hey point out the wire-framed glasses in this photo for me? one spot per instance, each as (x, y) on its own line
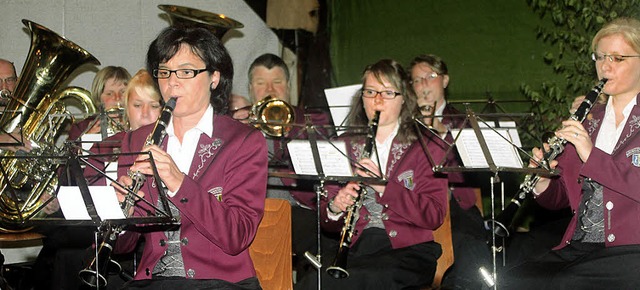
(611, 57)
(428, 77)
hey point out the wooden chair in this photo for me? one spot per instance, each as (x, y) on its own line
(271, 249)
(479, 202)
(443, 237)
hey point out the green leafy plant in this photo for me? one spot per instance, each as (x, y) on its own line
(569, 26)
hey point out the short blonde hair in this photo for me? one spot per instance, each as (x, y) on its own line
(628, 28)
(143, 84)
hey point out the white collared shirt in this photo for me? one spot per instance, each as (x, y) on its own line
(609, 134)
(440, 111)
(384, 148)
(182, 154)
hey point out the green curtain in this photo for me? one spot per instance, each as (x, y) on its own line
(490, 47)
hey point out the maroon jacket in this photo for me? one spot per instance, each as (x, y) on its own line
(618, 173)
(414, 201)
(221, 202)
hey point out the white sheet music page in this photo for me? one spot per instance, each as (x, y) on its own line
(501, 144)
(339, 100)
(104, 200)
(334, 163)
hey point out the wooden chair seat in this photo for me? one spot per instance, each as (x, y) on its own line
(271, 249)
(443, 237)
(18, 237)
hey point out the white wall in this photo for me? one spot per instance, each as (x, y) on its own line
(118, 32)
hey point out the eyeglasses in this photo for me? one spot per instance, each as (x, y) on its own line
(387, 95)
(428, 77)
(611, 57)
(180, 73)
(9, 80)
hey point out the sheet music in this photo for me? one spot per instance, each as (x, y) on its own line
(104, 198)
(503, 152)
(89, 139)
(334, 163)
(339, 101)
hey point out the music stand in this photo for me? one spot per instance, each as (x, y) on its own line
(72, 162)
(474, 121)
(320, 178)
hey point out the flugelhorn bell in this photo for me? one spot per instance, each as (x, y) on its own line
(218, 24)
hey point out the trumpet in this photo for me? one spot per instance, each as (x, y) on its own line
(428, 111)
(5, 96)
(338, 268)
(272, 116)
(501, 225)
(95, 274)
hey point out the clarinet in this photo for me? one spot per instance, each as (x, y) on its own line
(95, 275)
(502, 223)
(338, 268)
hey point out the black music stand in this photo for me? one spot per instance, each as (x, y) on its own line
(72, 162)
(320, 179)
(474, 120)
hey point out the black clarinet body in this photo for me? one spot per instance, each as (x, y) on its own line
(338, 268)
(502, 224)
(95, 275)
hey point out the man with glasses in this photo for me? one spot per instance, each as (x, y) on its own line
(8, 78)
(269, 76)
(430, 79)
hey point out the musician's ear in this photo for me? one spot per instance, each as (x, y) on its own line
(445, 81)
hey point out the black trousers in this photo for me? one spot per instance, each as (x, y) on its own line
(373, 264)
(578, 266)
(470, 248)
(179, 283)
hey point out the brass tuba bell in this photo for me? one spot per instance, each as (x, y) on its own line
(272, 116)
(38, 108)
(218, 24)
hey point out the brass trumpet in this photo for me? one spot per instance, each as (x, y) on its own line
(428, 111)
(272, 116)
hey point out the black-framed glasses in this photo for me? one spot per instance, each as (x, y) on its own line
(161, 73)
(611, 57)
(9, 80)
(428, 77)
(387, 95)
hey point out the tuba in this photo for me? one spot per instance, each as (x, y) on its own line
(38, 108)
(218, 24)
(272, 116)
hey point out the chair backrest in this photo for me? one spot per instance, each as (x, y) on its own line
(443, 237)
(271, 249)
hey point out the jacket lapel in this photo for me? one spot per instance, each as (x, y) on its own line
(206, 151)
(630, 128)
